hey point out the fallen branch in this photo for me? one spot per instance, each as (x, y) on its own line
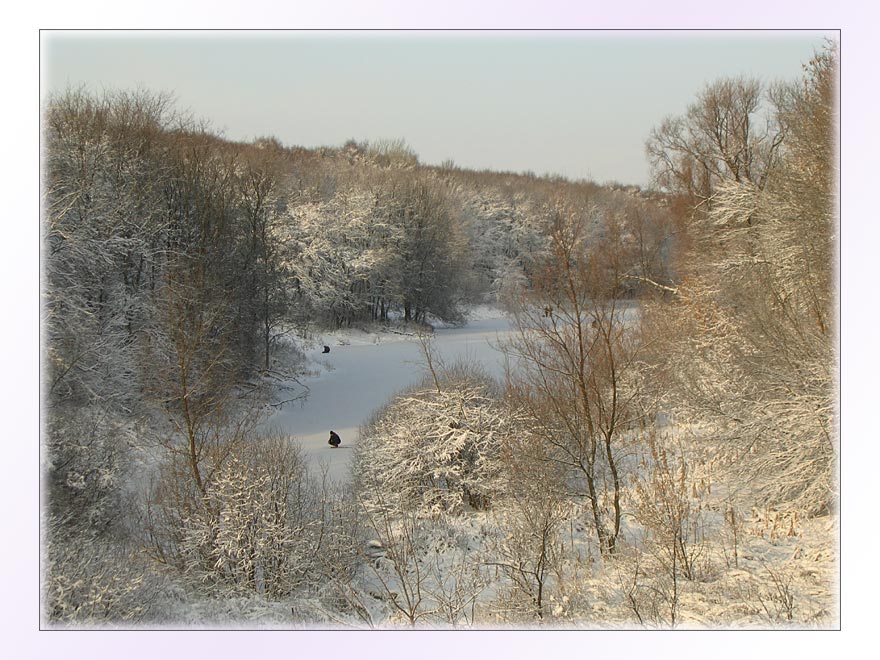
(646, 280)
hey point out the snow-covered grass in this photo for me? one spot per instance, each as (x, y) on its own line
(792, 576)
(527, 561)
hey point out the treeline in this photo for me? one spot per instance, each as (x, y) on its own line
(375, 235)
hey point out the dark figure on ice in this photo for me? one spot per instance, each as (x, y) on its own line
(326, 349)
(334, 440)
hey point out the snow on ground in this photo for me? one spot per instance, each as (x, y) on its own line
(364, 369)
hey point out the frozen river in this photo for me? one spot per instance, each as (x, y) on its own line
(363, 371)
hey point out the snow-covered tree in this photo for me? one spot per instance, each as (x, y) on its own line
(256, 527)
(343, 258)
(750, 340)
(105, 229)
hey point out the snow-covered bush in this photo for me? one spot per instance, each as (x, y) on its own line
(417, 570)
(670, 545)
(528, 516)
(429, 456)
(89, 580)
(435, 451)
(527, 551)
(91, 574)
(256, 528)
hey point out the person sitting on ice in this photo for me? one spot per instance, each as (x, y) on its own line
(334, 440)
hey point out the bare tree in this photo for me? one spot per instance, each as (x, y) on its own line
(399, 571)
(456, 587)
(574, 355)
(723, 136)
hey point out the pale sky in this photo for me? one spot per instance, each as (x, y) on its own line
(580, 104)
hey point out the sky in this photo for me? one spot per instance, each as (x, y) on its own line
(576, 103)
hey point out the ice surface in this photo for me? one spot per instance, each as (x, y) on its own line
(363, 371)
